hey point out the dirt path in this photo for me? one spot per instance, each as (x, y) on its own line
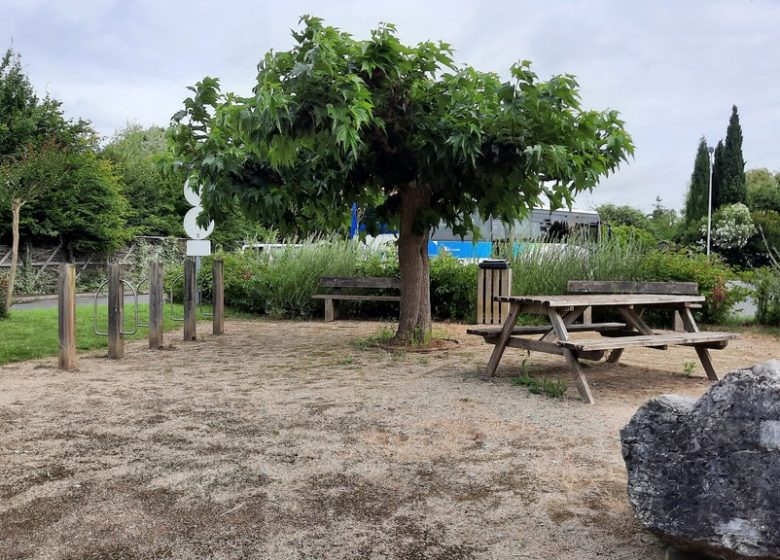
(288, 440)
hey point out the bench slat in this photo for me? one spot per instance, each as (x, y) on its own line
(360, 282)
(620, 287)
(541, 329)
(356, 297)
(715, 339)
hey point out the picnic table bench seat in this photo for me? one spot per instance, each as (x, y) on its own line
(336, 283)
(717, 340)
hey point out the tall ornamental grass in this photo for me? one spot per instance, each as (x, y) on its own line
(543, 268)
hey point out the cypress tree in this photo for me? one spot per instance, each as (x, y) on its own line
(733, 189)
(717, 176)
(698, 193)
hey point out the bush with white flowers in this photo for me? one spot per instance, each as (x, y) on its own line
(732, 227)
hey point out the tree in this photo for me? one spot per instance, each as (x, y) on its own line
(622, 216)
(663, 222)
(157, 200)
(732, 229)
(718, 173)
(24, 178)
(732, 188)
(336, 120)
(697, 201)
(763, 190)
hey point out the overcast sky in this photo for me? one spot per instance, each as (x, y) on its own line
(673, 69)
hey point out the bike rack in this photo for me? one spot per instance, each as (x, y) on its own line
(173, 285)
(135, 303)
(138, 291)
(202, 313)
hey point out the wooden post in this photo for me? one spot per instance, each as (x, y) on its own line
(66, 302)
(218, 297)
(190, 301)
(116, 304)
(156, 305)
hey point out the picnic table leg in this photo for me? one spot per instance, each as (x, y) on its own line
(614, 356)
(704, 355)
(559, 325)
(568, 319)
(506, 333)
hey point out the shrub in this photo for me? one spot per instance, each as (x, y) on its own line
(453, 289)
(711, 274)
(767, 296)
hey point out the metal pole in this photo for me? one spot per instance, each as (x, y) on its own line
(709, 205)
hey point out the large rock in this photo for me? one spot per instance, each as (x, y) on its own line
(705, 474)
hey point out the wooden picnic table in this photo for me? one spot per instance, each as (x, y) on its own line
(564, 310)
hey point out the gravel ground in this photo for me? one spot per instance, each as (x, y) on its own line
(297, 440)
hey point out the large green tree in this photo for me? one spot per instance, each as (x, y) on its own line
(25, 177)
(622, 215)
(157, 204)
(732, 183)
(336, 120)
(49, 168)
(763, 190)
(697, 201)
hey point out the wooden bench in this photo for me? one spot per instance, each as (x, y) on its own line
(336, 284)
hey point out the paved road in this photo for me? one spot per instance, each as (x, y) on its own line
(81, 299)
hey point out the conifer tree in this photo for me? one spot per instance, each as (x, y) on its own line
(698, 193)
(717, 176)
(733, 189)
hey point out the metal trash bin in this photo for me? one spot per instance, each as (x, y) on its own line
(494, 278)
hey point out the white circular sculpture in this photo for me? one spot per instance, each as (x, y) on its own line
(194, 231)
(192, 196)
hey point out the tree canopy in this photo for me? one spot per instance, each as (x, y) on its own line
(401, 129)
(728, 184)
(49, 166)
(697, 201)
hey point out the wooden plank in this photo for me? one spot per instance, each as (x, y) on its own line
(620, 287)
(116, 300)
(156, 294)
(679, 339)
(481, 296)
(190, 299)
(84, 267)
(66, 317)
(604, 300)
(360, 282)
(541, 329)
(528, 344)
(503, 339)
(546, 347)
(356, 297)
(218, 275)
(48, 261)
(568, 319)
(495, 276)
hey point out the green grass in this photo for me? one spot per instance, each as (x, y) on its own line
(30, 334)
(549, 387)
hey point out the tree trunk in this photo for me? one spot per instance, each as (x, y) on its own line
(16, 207)
(415, 321)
